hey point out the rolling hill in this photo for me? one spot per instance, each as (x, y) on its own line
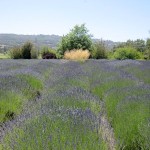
(8, 41)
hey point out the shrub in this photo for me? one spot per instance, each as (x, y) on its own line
(48, 51)
(99, 50)
(15, 53)
(126, 53)
(26, 50)
(34, 54)
(44, 51)
(110, 55)
(78, 54)
(147, 54)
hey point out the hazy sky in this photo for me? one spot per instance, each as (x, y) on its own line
(116, 20)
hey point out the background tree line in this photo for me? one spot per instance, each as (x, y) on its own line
(79, 38)
(138, 49)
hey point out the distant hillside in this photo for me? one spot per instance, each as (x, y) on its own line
(8, 41)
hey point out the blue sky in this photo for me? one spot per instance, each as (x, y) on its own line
(116, 20)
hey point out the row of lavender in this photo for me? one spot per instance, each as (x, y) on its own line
(65, 117)
(74, 97)
(21, 82)
(125, 90)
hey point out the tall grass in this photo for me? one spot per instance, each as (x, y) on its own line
(12, 101)
(10, 105)
(78, 54)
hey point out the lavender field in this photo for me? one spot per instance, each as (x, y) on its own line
(69, 105)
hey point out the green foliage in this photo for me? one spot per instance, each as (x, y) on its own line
(148, 44)
(126, 53)
(10, 103)
(99, 50)
(110, 55)
(128, 43)
(77, 38)
(26, 50)
(4, 55)
(15, 53)
(34, 84)
(34, 54)
(32, 81)
(147, 52)
(46, 50)
(139, 44)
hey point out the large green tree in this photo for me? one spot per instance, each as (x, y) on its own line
(77, 38)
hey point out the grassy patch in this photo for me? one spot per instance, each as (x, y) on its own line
(32, 81)
(11, 102)
(10, 105)
(34, 86)
(104, 87)
(128, 115)
(3, 56)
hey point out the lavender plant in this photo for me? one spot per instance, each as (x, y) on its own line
(69, 101)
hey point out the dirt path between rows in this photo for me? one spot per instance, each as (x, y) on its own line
(107, 132)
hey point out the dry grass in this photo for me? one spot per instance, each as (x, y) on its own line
(77, 54)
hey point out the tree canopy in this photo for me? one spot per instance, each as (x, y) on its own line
(77, 38)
